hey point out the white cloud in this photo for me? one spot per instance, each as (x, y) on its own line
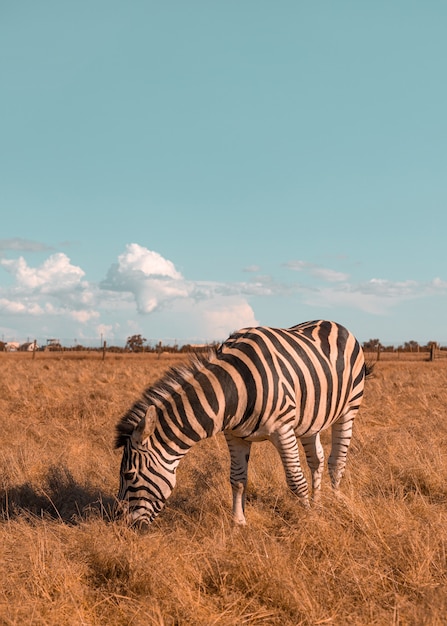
(198, 321)
(439, 284)
(328, 275)
(105, 330)
(226, 317)
(55, 274)
(54, 288)
(56, 295)
(155, 282)
(84, 316)
(18, 307)
(10, 306)
(152, 279)
(351, 298)
(391, 289)
(208, 309)
(376, 296)
(138, 259)
(23, 245)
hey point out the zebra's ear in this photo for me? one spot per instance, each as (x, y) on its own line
(146, 426)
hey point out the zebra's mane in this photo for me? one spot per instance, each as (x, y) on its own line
(171, 381)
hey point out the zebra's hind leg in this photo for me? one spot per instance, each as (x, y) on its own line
(341, 438)
(285, 442)
(239, 456)
(315, 460)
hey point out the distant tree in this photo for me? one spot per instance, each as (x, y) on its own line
(115, 349)
(387, 348)
(2, 346)
(411, 346)
(371, 345)
(135, 343)
(54, 346)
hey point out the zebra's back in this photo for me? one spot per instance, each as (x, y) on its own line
(307, 376)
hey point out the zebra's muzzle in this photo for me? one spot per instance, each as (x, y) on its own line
(134, 518)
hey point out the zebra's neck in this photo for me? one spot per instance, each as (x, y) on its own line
(199, 401)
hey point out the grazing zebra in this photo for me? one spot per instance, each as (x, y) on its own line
(261, 383)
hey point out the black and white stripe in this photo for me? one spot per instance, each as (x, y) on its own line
(262, 383)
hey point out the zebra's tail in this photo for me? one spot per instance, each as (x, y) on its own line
(369, 369)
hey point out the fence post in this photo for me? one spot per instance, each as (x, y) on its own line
(432, 352)
(34, 348)
(104, 346)
(378, 351)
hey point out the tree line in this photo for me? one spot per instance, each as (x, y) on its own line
(373, 345)
(138, 343)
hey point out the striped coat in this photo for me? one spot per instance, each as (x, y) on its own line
(260, 384)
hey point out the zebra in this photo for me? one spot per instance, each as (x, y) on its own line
(262, 383)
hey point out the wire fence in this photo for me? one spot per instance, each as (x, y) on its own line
(160, 350)
(94, 343)
(431, 354)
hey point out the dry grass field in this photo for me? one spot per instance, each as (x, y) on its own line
(374, 556)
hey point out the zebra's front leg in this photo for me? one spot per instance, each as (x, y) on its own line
(285, 442)
(239, 456)
(341, 438)
(315, 460)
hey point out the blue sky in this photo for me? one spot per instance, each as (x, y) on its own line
(183, 169)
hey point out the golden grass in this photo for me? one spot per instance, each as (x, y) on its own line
(374, 556)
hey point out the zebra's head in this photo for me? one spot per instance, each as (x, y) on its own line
(145, 482)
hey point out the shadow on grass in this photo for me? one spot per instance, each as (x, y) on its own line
(61, 498)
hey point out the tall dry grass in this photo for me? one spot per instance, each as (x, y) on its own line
(374, 556)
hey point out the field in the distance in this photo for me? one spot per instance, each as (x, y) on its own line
(375, 556)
